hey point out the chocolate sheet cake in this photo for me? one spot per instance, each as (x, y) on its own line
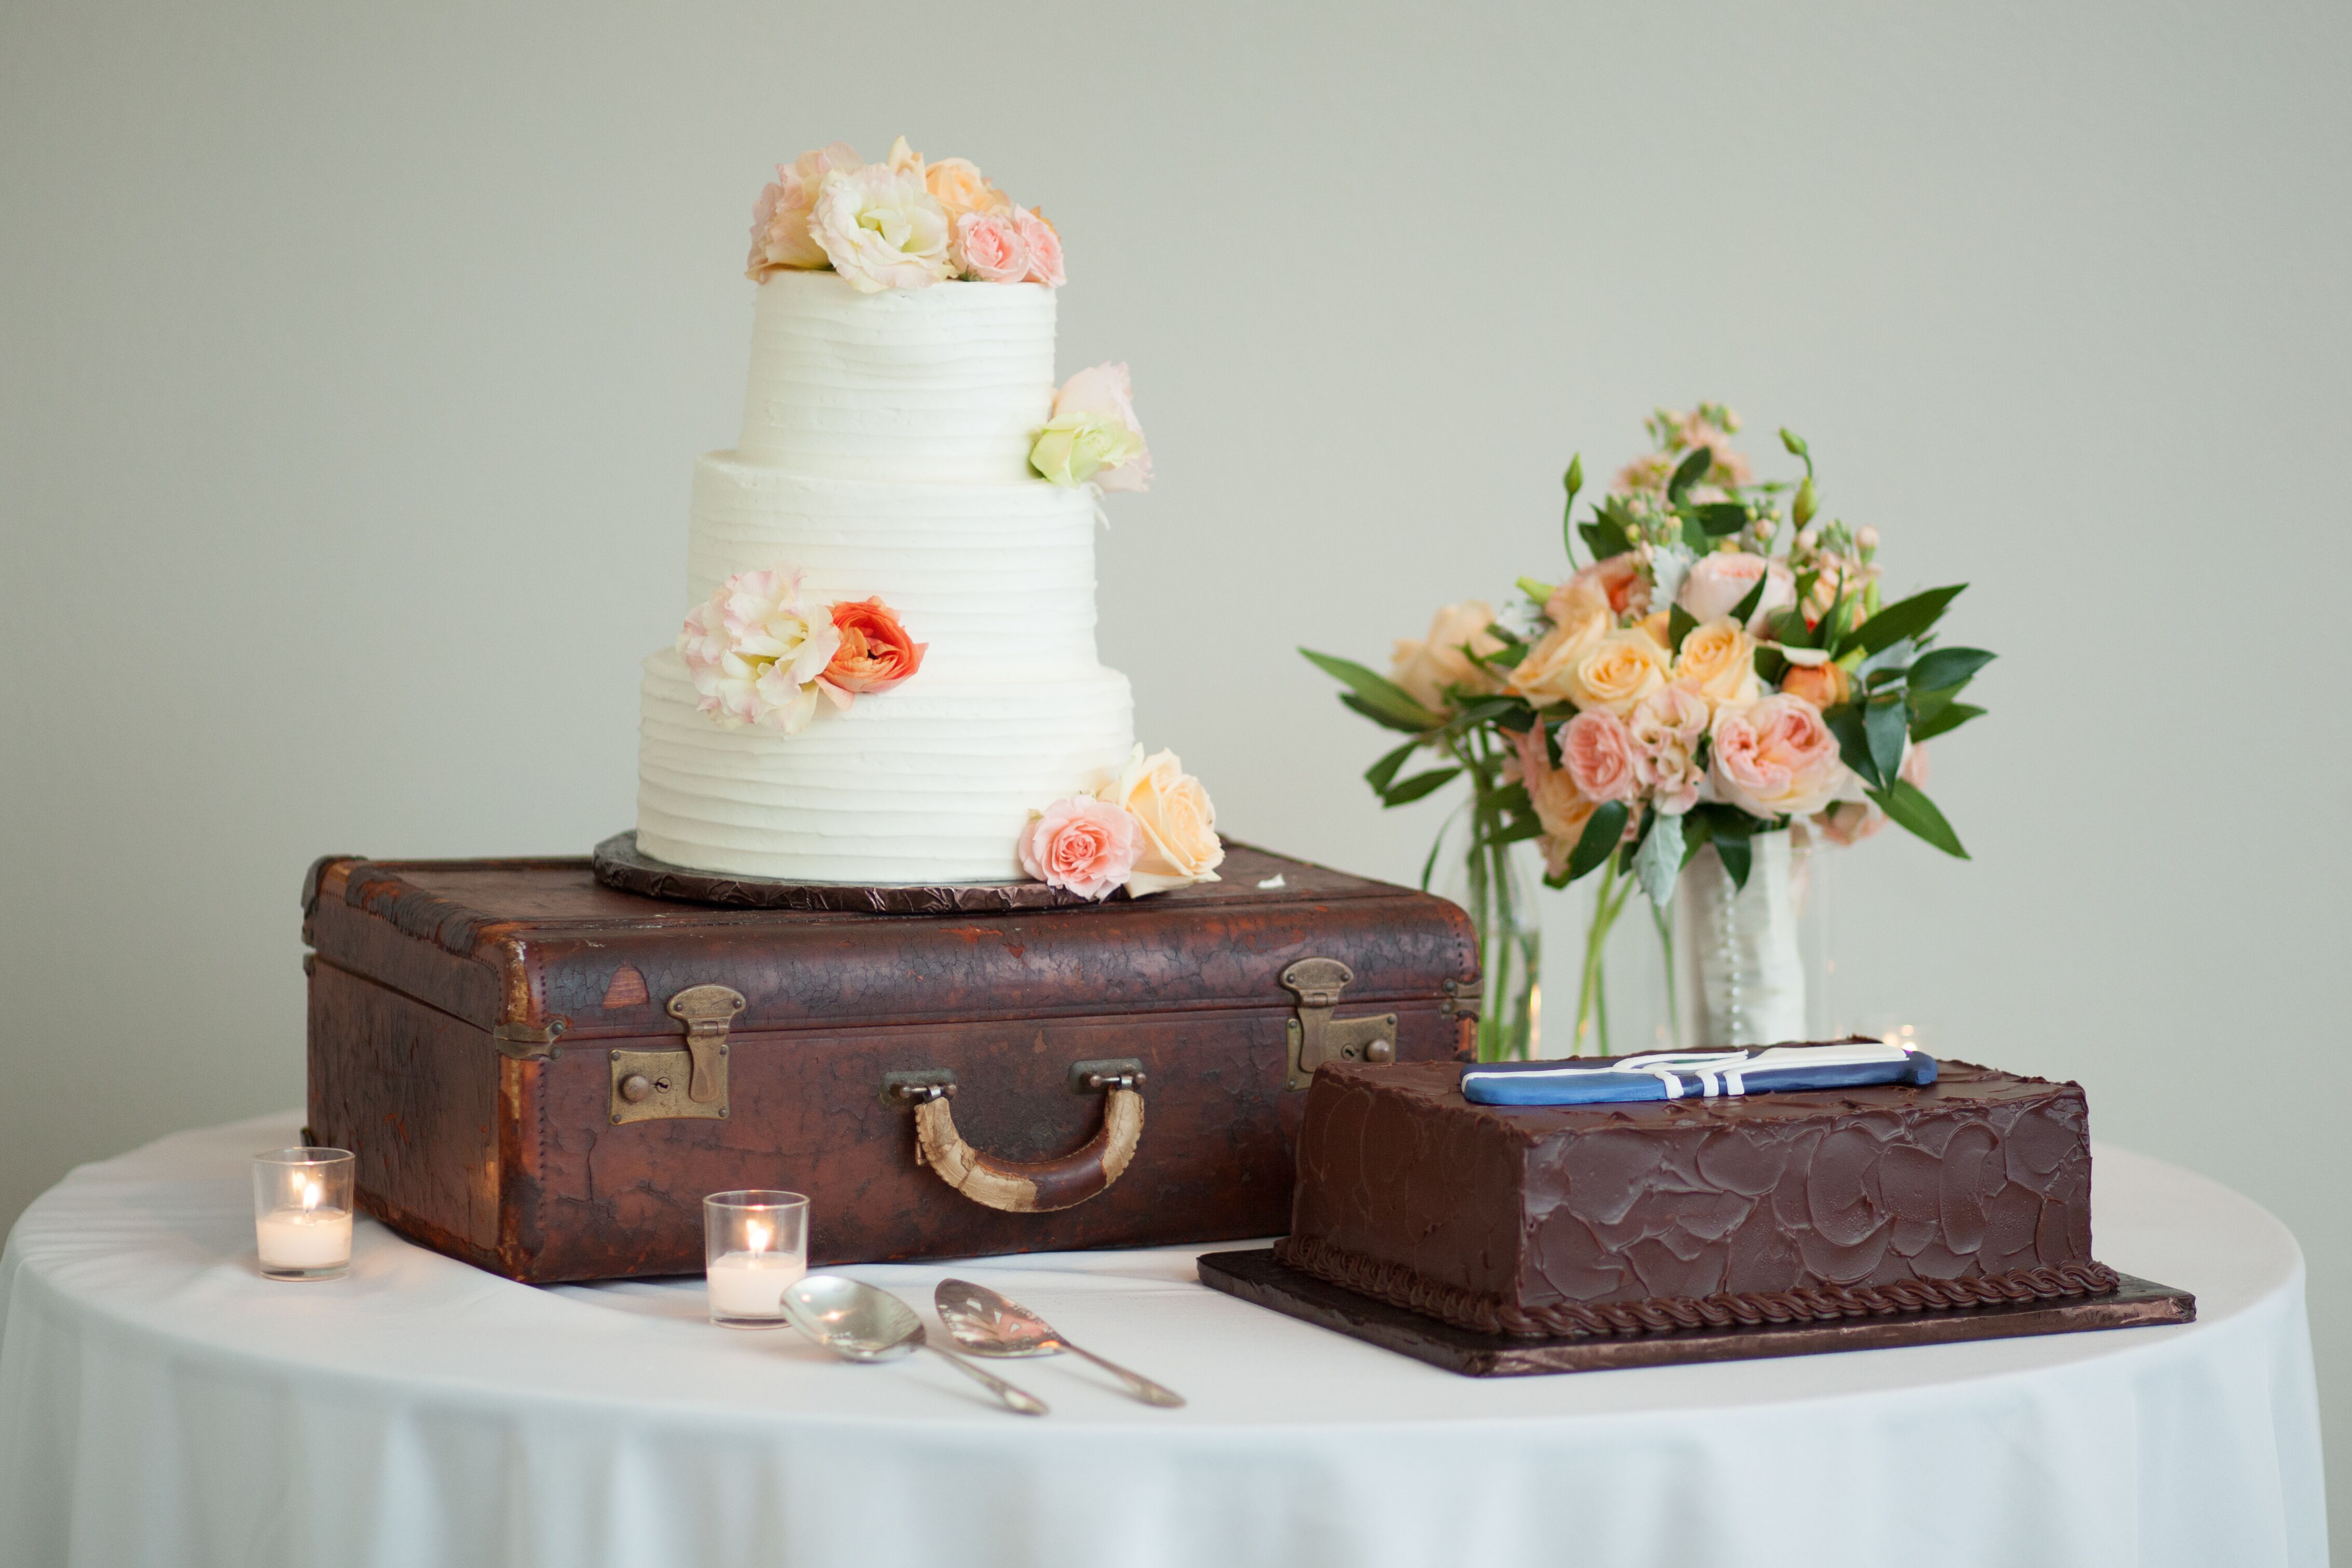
(1548, 1220)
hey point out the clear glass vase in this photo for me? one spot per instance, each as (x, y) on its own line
(1738, 954)
(1498, 885)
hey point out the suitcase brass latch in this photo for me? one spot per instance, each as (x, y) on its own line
(651, 1085)
(1316, 1037)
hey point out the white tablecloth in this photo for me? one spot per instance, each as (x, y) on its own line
(161, 1403)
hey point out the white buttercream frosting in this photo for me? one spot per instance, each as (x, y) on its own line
(886, 452)
(930, 783)
(997, 579)
(949, 382)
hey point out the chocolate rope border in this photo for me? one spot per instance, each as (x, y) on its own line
(1401, 1287)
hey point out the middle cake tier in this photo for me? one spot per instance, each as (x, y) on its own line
(996, 578)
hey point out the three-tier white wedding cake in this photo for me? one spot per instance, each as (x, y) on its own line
(890, 462)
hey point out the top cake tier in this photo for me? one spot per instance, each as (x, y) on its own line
(945, 384)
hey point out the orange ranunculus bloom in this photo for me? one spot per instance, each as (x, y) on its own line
(875, 652)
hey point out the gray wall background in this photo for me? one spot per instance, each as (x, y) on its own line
(352, 359)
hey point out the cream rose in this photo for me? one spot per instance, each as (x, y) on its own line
(1823, 685)
(959, 187)
(1425, 668)
(1775, 758)
(1581, 618)
(1180, 844)
(1717, 583)
(1718, 662)
(1621, 669)
(882, 230)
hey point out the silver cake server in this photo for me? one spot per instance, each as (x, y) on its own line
(858, 1322)
(985, 1323)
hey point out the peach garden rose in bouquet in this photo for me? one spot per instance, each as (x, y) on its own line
(1724, 665)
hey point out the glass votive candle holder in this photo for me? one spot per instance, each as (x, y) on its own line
(302, 1213)
(754, 1245)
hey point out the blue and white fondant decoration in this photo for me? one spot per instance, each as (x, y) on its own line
(1698, 1075)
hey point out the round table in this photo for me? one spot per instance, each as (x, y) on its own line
(161, 1403)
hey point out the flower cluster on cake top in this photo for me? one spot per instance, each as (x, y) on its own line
(904, 223)
(760, 651)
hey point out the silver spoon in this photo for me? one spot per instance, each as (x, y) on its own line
(985, 1323)
(857, 1322)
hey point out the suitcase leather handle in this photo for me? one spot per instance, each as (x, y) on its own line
(1019, 1187)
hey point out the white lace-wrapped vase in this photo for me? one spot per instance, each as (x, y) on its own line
(1739, 975)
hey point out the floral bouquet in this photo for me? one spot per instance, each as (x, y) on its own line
(1720, 686)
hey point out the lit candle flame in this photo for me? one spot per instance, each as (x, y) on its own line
(311, 1193)
(759, 1235)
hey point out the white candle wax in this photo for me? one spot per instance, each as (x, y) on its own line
(751, 1284)
(304, 1239)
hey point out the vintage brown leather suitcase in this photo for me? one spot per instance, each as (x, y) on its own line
(544, 1076)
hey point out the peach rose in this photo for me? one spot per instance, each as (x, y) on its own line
(1621, 669)
(959, 186)
(1823, 685)
(1561, 807)
(1620, 579)
(1848, 822)
(1718, 662)
(990, 248)
(1083, 844)
(780, 222)
(1045, 243)
(1776, 758)
(1425, 668)
(875, 653)
(1581, 618)
(1717, 583)
(1664, 728)
(1179, 826)
(1599, 754)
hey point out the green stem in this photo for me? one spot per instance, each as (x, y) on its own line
(1664, 917)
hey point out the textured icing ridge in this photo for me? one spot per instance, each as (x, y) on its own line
(1982, 1173)
(931, 782)
(1401, 1287)
(996, 578)
(944, 384)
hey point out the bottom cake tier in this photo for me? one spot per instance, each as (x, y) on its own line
(929, 783)
(1802, 1205)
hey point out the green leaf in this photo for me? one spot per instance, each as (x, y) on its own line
(1736, 858)
(1905, 618)
(1688, 472)
(1771, 663)
(1892, 659)
(1832, 633)
(1487, 713)
(1377, 690)
(1947, 669)
(1419, 784)
(1789, 629)
(1749, 600)
(1883, 722)
(1382, 720)
(1379, 775)
(1948, 718)
(1908, 806)
(1680, 624)
(1598, 840)
(1517, 829)
(1845, 721)
(1659, 857)
(1719, 518)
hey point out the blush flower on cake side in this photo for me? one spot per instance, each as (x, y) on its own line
(761, 651)
(1092, 436)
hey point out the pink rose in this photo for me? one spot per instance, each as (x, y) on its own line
(780, 222)
(989, 246)
(1561, 807)
(1776, 758)
(1719, 582)
(1083, 844)
(1045, 247)
(1599, 752)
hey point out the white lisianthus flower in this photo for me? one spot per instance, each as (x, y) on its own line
(757, 652)
(881, 229)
